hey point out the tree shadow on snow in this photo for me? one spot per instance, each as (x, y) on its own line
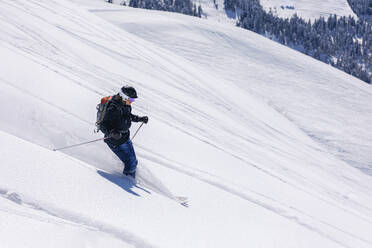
(230, 14)
(123, 182)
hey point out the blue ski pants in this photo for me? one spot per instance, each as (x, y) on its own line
(126, 154)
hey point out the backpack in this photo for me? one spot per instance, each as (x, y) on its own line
(101, 111)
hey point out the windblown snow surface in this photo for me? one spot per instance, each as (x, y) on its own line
(242, 126)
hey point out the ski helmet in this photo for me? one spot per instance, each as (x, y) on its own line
(129, 91)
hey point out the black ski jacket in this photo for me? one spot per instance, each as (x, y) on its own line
(118, 117)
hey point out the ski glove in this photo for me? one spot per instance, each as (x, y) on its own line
(115, 134)
(145, 119)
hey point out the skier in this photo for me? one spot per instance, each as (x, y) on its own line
(116, 123)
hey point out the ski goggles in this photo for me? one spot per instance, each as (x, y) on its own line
(126, 98)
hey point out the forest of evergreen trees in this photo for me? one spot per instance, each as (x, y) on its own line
(362, 8)
(343, 42)
(186, 7)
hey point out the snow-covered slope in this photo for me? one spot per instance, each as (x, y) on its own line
(331, 107)
(308, 9)
(253, 177)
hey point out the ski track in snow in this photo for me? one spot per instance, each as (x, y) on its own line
(44, 101)
(69, 64)
(76, 218)
(289, 212)
(237, 156)
(145, 180)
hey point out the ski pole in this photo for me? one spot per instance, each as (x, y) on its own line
(84, 143)
(134, 135)
(80, 144)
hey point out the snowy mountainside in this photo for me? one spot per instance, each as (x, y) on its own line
(252, 176)
(335, 110)
(308, 9)
(214, 9)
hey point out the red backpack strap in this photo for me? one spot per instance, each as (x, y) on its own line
(106, 99)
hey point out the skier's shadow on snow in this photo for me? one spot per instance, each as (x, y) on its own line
(122, 182)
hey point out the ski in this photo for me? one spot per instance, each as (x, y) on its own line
(184, 201)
